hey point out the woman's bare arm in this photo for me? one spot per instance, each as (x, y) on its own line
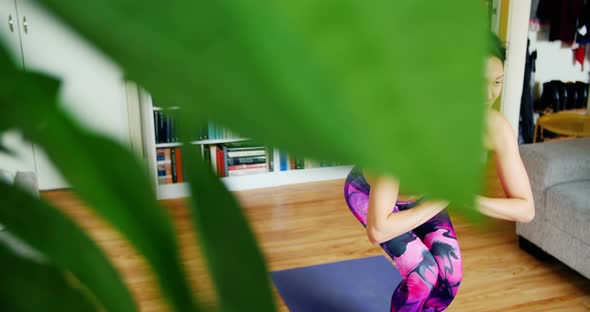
(382, 224)
(519, 205)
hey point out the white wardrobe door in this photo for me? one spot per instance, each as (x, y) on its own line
(23, 159)
(92, 90)
(9, 30)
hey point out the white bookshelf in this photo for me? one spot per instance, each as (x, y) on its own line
(202, 142)
(274, 178)
(219, 141)
(155, 108)
(161, 145)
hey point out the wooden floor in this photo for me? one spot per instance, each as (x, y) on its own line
(310, 224)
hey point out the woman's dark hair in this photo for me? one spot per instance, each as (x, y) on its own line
(496, 48)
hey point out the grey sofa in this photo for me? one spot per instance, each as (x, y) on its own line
(560, 179)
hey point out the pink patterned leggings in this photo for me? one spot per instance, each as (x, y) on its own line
(428, 257)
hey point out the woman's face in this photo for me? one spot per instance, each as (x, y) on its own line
(494, 79)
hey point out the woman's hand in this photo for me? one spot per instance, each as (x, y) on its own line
(511, 209)
(479, 203)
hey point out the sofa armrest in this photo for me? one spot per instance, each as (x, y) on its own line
(557, 162)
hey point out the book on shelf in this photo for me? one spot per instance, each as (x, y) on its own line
(169, 165)
(270, 159)
(309, 163)
(284, 161)
(213, 132)
(221, 167)
(250, 153)
(245, 160)
(224, 155)
(161, 127)
(164, 165)
(178, 165)
(157, 126)
(288, 162)
(231, 159)
(213, 157)
(173, 163)
(249, 166)
(299, 163)
(210, 133)
(168, 129)
(164, 127)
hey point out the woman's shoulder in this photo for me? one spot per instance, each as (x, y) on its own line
(501, 130)
(499, 122)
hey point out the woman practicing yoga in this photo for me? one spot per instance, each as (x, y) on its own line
(417, 233)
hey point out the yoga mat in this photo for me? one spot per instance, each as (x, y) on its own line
(364, 284)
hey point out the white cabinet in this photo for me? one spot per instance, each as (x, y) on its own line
(9, 34)
(92, 85)
(92, 90)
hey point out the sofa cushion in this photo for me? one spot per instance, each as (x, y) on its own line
(573, 252)
(553, 163)
(568, 208)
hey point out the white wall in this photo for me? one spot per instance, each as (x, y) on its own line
(555, 61)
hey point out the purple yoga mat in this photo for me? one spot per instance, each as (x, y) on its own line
(355, 285)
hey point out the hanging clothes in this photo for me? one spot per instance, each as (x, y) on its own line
(580, 54)
(534, 23)
(562, 16)
(583, 28)
(526, 122)
(582, 34)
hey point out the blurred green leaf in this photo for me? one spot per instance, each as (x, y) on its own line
(53, 234)
(377, 83)
(5, 150)
(104, 174)
(234, 258)
(30, 286)
(392, 86)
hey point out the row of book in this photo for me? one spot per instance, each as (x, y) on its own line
(214, 132)
(230, 160)
(165, 130)
(287, 162)
(169, 163)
